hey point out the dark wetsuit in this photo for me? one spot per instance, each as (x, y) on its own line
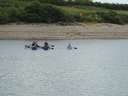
(34, 46)
(46, 46)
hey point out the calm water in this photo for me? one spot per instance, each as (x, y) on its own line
(97, 68)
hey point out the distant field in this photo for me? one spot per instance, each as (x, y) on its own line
(87, 9)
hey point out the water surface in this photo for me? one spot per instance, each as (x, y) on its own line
(96, 68)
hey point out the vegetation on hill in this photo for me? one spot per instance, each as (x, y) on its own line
(54, 11)
(96, 4)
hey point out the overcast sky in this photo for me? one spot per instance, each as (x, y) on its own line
(113, 1)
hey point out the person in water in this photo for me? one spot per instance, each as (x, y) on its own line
(34, 45)
(46, 46)
(69, 46)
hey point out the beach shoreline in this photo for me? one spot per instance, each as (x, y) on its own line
(63, 32)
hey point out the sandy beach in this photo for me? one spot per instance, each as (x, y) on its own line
(53, 31)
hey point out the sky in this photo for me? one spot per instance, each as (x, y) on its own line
(113, 1)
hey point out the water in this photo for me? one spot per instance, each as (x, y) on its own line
(96, 68)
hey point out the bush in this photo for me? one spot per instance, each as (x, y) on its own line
(13, 14)
(3, 16)
(111, 17)
(91, 17)
(123, 18)
(36, 12)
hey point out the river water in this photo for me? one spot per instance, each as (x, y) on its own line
(96, 68)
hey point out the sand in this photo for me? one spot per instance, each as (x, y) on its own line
(53, 31)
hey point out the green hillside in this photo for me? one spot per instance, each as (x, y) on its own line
(54, 11)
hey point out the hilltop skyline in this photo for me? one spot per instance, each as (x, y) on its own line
(113, 1)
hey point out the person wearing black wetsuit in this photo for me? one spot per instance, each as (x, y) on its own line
(46, 46)
(34, 45)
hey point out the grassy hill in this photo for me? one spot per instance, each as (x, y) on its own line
(89, 9)
(54, 11)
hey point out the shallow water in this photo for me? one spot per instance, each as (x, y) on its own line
(96, 68)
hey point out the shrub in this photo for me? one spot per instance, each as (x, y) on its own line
(37, 12)
(123, 18)
(13, 14)
(91, 17)
(111, 17)
(3, 17)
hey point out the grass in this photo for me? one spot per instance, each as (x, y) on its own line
(87, 9)
(95, 14)
(34, 12)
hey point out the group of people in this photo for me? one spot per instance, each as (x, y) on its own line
(46, 46)
(35, 46)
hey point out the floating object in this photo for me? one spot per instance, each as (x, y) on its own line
(52, 48)
(52, 45)
(69, 47)
(75, 48)
(27, 46)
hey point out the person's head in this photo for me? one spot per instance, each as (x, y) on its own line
(46, 43)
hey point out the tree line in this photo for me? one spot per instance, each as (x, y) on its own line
(5, 3)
